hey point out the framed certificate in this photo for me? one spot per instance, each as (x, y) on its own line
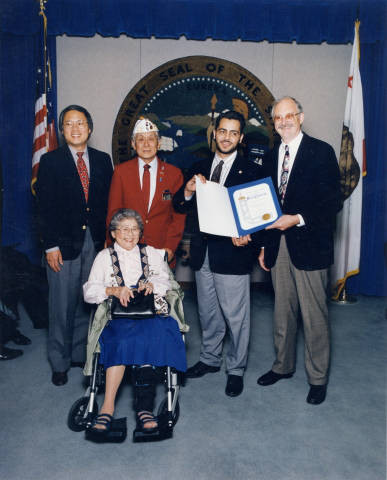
(254, 205)
(238, 210)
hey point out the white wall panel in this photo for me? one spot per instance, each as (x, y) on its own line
(99, 72)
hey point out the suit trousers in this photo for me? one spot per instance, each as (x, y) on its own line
(224, 303)
(68, 313)
(305, 291)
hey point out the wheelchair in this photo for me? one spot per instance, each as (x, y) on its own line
(84, 410)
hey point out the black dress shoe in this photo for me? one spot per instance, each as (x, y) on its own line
(77, 364)
(20, 339)
(200, 369)
(59, 378)
(271, 377)
(317, 394)
(9, 353)
(234, 385)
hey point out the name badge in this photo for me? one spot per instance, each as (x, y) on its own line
(167, 195)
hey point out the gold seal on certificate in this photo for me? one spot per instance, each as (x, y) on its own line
(254, 204)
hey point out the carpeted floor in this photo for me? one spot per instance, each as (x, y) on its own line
(267, 433)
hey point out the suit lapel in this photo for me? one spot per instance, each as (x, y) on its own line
(273, 167)
(236, 173)
(297, 168)
(93, 170)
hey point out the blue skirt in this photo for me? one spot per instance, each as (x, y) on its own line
(155, 341)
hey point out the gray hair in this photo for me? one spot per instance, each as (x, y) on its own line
(123, 214)
(286, 97)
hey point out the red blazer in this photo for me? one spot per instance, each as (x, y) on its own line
(163, 227)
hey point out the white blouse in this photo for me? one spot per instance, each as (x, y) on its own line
(101, 274)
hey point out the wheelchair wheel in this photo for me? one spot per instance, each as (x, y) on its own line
(163, 410)
(76, 419)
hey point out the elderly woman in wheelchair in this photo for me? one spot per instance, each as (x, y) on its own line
(123, 272)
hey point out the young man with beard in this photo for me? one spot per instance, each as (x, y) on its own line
(222, 264)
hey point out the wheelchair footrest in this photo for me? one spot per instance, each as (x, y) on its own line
(164, 431)
(116, 434)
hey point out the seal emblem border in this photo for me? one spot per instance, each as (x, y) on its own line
(140, 96)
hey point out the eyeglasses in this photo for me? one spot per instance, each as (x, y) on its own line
(289, 117)
(233, 133)
(75, 123)
(127, 230)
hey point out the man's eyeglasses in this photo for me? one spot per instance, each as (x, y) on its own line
(75, 123)
(289, 117)
(127, 230)
(233, 133)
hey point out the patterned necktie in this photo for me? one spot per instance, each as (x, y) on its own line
(83, 175)
(146, 185)
(215, 177)
(284, 174)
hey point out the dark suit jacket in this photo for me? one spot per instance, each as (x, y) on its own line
(163, 227)
(63, 211)
(313, 191)
(223, 256)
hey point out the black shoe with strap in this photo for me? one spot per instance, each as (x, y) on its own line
(143, 418)
(104, 420)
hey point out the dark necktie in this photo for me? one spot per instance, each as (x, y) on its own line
(146, 185)
(284, 174)
(215, 177)
(83, 175)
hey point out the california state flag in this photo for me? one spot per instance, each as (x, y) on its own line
(352, 168)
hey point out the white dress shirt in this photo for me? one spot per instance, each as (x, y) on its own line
(101, 274)
(153, 176)
(228, 161)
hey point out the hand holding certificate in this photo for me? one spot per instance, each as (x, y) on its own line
(238, 210)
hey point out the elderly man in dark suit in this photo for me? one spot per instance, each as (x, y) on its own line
(72, 191)
(298, 247)
(222, 265)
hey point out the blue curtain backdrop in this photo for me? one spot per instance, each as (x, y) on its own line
(303, 21)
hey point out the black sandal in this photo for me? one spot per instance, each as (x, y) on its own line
(102, 419)
(143, 417)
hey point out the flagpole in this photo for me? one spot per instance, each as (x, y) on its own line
(44, 139)
(42, 8)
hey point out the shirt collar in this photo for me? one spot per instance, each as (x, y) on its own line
(293, 144)
(74, 152)
(153, 163)
(228, 159)
(121, 250)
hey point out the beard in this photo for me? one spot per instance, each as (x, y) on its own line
(232, 149)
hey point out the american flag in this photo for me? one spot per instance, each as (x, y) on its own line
(45, 138)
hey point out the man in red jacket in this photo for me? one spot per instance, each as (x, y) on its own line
(147, 184)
